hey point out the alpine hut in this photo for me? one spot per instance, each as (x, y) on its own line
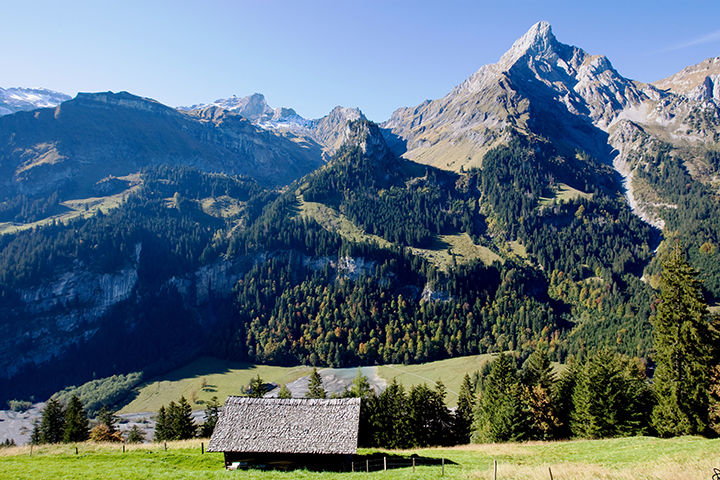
(277, 433)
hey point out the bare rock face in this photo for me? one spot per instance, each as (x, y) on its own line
(696, 81)
(327, 131)
(578, 101)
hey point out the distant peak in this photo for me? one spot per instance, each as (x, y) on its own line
(538, 40)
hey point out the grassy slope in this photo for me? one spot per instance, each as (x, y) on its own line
(687, 458)
(461, 245)
(450, 371)
(223, 378)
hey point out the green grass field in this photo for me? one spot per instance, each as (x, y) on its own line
(450, 371)
(206, 377)
(638, 458)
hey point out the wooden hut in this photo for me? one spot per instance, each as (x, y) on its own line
(277, 433)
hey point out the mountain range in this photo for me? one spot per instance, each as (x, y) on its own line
(527, 205)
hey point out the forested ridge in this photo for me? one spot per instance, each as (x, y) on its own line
(302, 293)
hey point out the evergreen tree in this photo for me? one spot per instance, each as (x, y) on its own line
(52, 424)
(430, 421)
(284, 392)
(390, 418)
(463, 419)
(538, 381)
(76, 421)
(162, 426)
(36, 436)
(501, 415)
(562, 395)
(183, 426)
(212, 412)
(360, 387)
(683, 350)
(611, 398)
(135, 435)
(257, 388)
(315, 386)
(106, 417)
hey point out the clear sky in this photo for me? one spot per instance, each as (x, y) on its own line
(313, 55)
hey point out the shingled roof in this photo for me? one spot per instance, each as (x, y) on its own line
(295, 425)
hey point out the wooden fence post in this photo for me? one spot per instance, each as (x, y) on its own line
(384, 463)
(123, 448)
(76, 450)
(31, 447)
(352, 467)
(443, 466)
(550, 470)
(413, 458)
(367, 465)
(202, 448)
(166, 446)
(495, 470)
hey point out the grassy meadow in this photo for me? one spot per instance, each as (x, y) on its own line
(637, 458)
(206, 377)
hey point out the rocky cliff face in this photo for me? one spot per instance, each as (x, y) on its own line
(543, 88)
(327, 131)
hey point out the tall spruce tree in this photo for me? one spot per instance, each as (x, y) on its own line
(76, 422)
(683, 350)
(52, 424)
(611, 398)
(162, 427)
(390, 418)
(212, 412)
(315, 386)
(182, 422)
(501, 415)
(463, 418)
(429, 419)
(538, 382)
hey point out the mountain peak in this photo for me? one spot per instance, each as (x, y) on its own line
(538, 40)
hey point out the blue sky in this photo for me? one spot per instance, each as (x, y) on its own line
(313, 55)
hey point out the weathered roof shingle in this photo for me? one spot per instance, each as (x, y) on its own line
(295, 425)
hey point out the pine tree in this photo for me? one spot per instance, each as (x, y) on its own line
(52, 424)
(212, 412)
(162, 427)
(611, 398)
(501, 415)
(390, 420)
(106, 417)
(135, 435)
(257, 388)
(76, 421)
(429, 418)
(683, 350)
(284, 392)
(538, 381)
(462, 424)
(183, 425)
(361, 386)
(315, 386)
